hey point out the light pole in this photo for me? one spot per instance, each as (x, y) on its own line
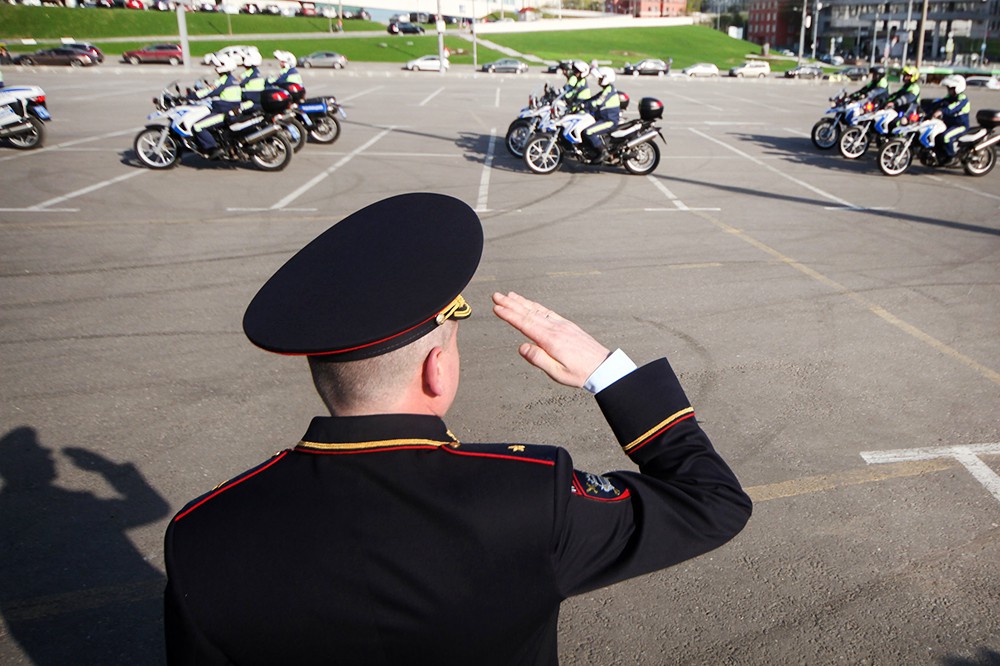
(802, 31)
(874, 38)
(440, 29)
(920, 37)
(475, 63)
(909, 30)
(815, 27)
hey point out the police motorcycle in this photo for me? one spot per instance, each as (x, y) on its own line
(318, 116)
(630, 145)
(541, 108)
(249, 137)
(976, 149)
(855, 139)
(827, 130)
(22, 112)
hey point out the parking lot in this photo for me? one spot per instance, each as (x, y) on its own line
(835, 329)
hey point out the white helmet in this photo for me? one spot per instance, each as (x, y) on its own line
(285, 59)
(582, 68)
(252, 58)
(605, 76)
(955, 82)
(224, 64)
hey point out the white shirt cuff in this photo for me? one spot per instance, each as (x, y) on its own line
(614, 368)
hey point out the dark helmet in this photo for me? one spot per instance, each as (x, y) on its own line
(877, 72)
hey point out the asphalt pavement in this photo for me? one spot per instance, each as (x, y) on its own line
(836, 331)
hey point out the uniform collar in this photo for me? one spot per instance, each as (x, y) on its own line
(378, 432)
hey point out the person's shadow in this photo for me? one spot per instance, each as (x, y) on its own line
(73, 588)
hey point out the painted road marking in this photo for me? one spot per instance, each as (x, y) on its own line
(971, 190)
(430, 97)
(496, 102)
(359, 94)
(678, 204)
(316, 180)
(44, 207)
(698, 102)
(967, 455)
(484, 180)
(46, 149)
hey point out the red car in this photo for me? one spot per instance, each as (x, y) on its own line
(158, 53)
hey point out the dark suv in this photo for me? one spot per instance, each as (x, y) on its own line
(95, 53)
(405, 29)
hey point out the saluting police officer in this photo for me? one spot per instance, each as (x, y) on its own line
(381, 537)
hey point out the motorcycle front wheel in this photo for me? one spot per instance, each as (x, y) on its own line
(980, 162)
(325, 130)
(895, 158)
(32, 138)
(540, 156)
(156, 148)
(825, 134)
(517, 135)
(295, 132)
(642, 159)
(853, 143)
(272, 154)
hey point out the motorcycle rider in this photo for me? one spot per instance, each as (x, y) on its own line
(289, 71)
(954, 110)
(577, 89)
(909, 91)
(226, 96)
(606, 108)
(877, 82)
(252, 80)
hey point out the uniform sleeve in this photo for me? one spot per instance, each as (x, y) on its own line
(682, 502)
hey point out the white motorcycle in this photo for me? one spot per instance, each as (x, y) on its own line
(22, 112)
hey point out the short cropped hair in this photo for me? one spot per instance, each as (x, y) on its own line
(376, 380)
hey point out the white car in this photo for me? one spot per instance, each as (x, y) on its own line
(701, 69)
(988, 82)
(235, 51)
(751, 68)
(428, 63)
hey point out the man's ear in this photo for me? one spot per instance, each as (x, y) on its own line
(433, 373)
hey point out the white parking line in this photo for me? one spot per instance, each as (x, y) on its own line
(699, 102)
(967, 455)
(971, 190)
(484, 180)
(496, 102)
(798, 132)
(44, 207)
(358, 94)
(431, 96)
(281, 205)
(67, 144)
(678, 204)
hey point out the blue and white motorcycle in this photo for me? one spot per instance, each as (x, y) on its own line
(22, 112)
(253, 137)
(319, 116)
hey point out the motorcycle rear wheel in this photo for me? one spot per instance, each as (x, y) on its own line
(895, 158)
(642, 159)
(32, 138)
(980, 162)
(272, 154)
(517, 136)
(825, 134)
(541, 158)
(853, 143)
(295, 132)
(326, 130)
(151, 153)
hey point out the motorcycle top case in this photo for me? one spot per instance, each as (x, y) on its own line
(650, 108)
(988, 117)
(275, 100)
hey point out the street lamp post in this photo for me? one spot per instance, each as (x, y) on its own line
(815, 27)
(802, 31)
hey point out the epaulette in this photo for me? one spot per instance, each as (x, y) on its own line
(226, 485)
(533, 453)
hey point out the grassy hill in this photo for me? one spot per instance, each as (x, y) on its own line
(685, 44)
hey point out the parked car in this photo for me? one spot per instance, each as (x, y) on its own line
(155, 53)
(988, 82)
(649, 66)
(511, 65)
(805, 72)
(834, 60)
(854, 73)
(324, 59)
(237, 51)
(83, 47)
(559, 66)
(405, 29)
(751, 68)
(133, 4)
(427, 63)
(57, 56)
(701, 69)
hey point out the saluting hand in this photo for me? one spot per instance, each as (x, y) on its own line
(558, 347)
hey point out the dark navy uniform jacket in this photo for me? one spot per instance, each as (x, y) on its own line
(382, 540)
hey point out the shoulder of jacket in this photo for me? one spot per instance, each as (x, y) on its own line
(531, 453)
(226, 485)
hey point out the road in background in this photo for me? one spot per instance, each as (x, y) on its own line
(818, 313)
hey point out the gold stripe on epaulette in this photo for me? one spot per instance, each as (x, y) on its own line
(659, 426)
(380, 444)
